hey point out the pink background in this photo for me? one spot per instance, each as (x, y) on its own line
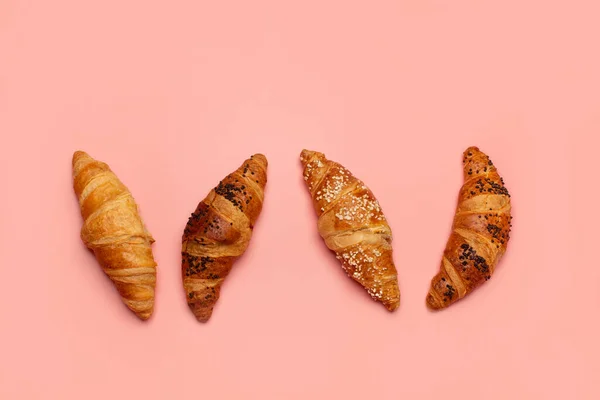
(175, 94)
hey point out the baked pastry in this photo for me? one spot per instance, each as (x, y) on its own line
(480, 232)
(218, 233)
(352, 224)
(115, 232)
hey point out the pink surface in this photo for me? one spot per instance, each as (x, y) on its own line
(174, 95)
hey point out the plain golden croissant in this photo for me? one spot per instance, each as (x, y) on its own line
(480, 232)
(218, 233)
(352, 225)
(114, 231)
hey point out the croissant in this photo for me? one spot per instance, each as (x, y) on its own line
(114, 231)
(480, 232)
(218, 233)
(352, 224)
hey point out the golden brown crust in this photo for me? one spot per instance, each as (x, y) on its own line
(115, 232)
(480, 232)
(352, 224)
(218, 233)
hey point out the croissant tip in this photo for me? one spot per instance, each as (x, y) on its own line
(144, 316)
(260, 158)
(391, 307)
(473, 149)
(79, 154)
(307, 155)
(202, 314)
(432, 303)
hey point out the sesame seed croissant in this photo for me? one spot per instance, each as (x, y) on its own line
(218, 233)
(480, 232)
(352, 224)
(115, 232)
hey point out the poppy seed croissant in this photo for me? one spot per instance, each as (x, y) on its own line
(480, 232)
(218, 233)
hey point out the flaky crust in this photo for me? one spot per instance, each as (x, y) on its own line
(353, 226)
(115, 232)
(480, 232)
(218, 233)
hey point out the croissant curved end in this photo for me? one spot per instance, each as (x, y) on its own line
(432, 303)
(307, 155)
(203, 317)
(393, 306)
(200, 311)
(472, 149)
(144, 316)
(80, 156)
(260, 158)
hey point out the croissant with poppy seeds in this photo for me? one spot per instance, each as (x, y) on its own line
(218, 233)
(480, 232)
(352, 224)
(114, 231)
